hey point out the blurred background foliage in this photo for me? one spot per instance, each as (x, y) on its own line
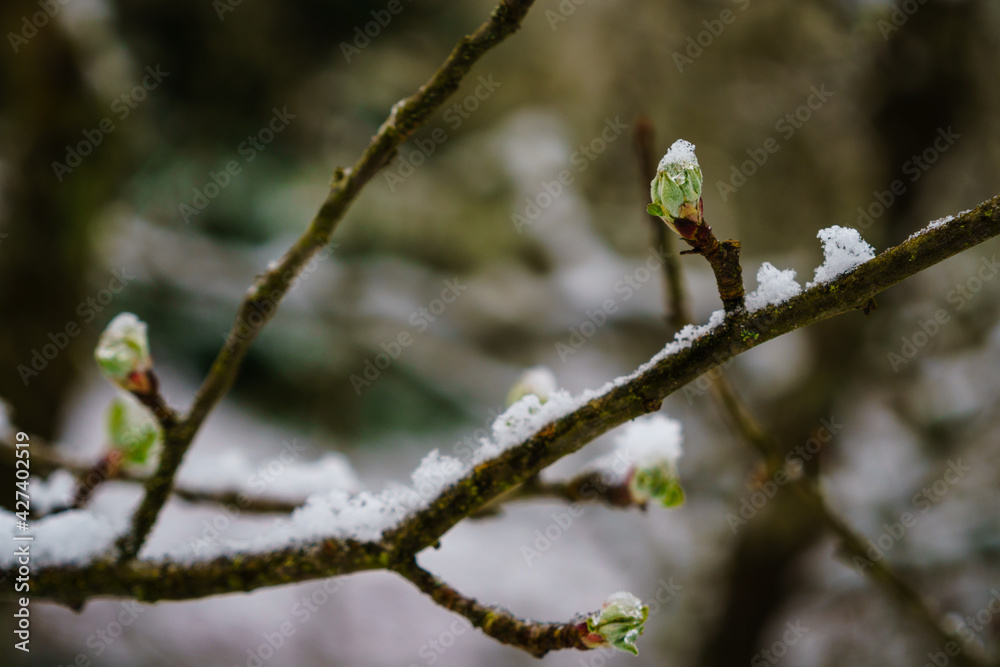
(574, 68)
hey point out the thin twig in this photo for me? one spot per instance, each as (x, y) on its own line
(587, 487)
(262, 299)
(534, 637)
(153, 399)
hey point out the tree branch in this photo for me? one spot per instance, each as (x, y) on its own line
(587, 487)
(644, 391)
(262, 299)
(623, 400)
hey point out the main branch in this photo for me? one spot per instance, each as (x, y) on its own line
(626, 399)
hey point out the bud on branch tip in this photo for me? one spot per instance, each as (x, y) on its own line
(122, 353)
(619, 623)
(676, 190)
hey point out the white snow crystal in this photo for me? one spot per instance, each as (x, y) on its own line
(843, 250)
(773, 286)
(365, 516)
(681, 153)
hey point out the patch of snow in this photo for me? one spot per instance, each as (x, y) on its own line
(281, 477)
(681, 153)
(76, 536)
(651, 439)
(523, 419)
(644, 442)
(56, 491)
(435, 473)
(773, 286)
(843, 250)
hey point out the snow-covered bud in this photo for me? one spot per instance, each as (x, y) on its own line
(538, 381)
(619, 623)
(122, 353)
(676, 190)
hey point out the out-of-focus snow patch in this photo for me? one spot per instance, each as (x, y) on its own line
(75, 536)
(56, 491)
(646, 441)
(651, 439)
(281, 476)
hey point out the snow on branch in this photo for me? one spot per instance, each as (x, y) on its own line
(561, 426)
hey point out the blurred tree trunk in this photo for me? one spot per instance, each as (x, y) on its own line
(46, 248)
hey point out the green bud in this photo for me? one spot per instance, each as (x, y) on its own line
(131, 431)
(619, 623)
(676, 190)
(122, 352)
(658, 483)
